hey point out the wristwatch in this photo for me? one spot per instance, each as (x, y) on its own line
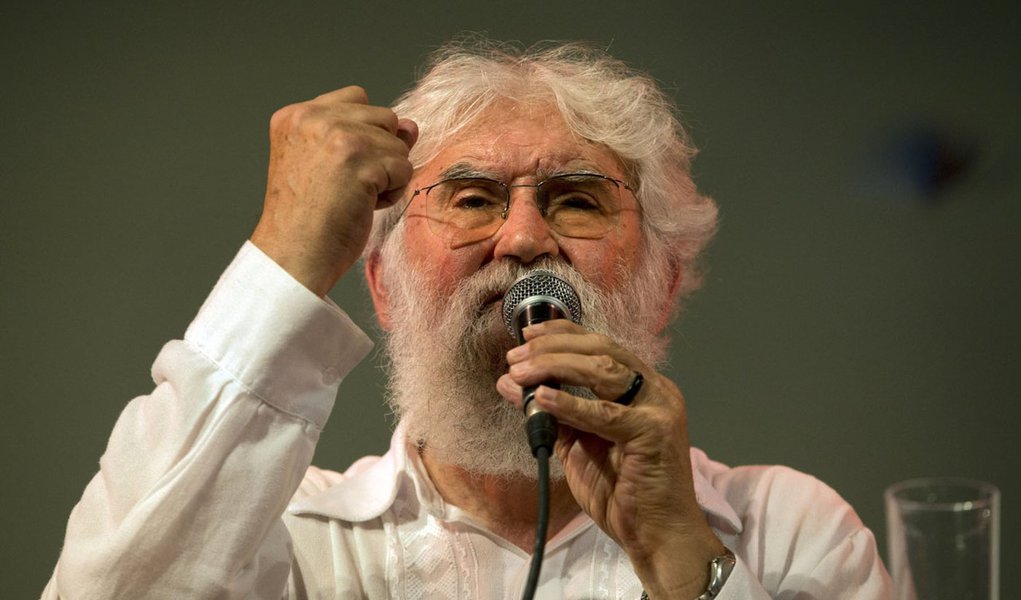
(719, 570)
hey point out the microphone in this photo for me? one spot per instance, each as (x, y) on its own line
(536, 297)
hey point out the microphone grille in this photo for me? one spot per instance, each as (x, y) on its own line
(540, 283)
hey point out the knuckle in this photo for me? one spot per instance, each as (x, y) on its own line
(283, 118)
(537, 345)
(390, 118)
(357, 94)
(612, 415)
(374, 178)
(301, 114)
(400, 173)
(606, 365)
(341, 142)
(662, 423)
(303, 119)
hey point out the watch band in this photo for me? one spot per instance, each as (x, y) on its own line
(719, 570)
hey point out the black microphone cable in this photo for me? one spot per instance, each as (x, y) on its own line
(542, 454)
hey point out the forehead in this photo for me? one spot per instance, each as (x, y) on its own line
(511, 141)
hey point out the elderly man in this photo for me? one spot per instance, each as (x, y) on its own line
(498, 162)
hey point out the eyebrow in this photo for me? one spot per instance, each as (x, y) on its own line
(463, 170)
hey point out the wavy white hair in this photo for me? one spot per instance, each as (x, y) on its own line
(602, 100)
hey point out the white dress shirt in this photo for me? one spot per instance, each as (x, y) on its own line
(205, 489)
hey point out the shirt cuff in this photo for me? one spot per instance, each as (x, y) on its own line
(286, 345)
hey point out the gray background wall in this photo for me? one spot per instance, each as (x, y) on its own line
(850, 326)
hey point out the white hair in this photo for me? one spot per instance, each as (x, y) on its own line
(601, 100)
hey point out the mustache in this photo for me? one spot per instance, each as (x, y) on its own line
(489, 285)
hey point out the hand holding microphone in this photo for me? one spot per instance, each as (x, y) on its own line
(537, 297)
(625, 454)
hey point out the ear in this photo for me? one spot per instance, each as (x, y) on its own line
(668, 308)
(380, 296)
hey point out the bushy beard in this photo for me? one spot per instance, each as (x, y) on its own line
(447, 351)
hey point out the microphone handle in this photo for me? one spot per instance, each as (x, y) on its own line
(528, 395)
(541, 427)
(532, 313)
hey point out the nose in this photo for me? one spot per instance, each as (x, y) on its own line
(525, 235)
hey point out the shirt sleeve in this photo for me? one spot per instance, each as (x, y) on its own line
(189, 494)
(801, 541)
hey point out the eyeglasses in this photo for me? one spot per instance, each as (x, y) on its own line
(464, 210)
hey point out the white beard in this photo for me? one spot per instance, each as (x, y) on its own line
(448, 350)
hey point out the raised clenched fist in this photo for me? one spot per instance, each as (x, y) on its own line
(333, 160)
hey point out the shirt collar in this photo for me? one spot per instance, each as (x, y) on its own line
(370, 486)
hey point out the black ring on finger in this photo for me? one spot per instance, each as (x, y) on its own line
(632, 390)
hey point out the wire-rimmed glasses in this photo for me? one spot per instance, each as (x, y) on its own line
(464, 210)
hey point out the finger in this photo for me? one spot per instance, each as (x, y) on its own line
(377, 116)
(355, 94)
(510, 390)
(351, 104)
(398, 174)
(382, 142)
(607, 377)
(565, 336)
(388, 199)
(583, 343)
(551, 327)
(612, 422)
(407, 131)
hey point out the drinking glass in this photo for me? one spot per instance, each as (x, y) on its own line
(944, 539)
